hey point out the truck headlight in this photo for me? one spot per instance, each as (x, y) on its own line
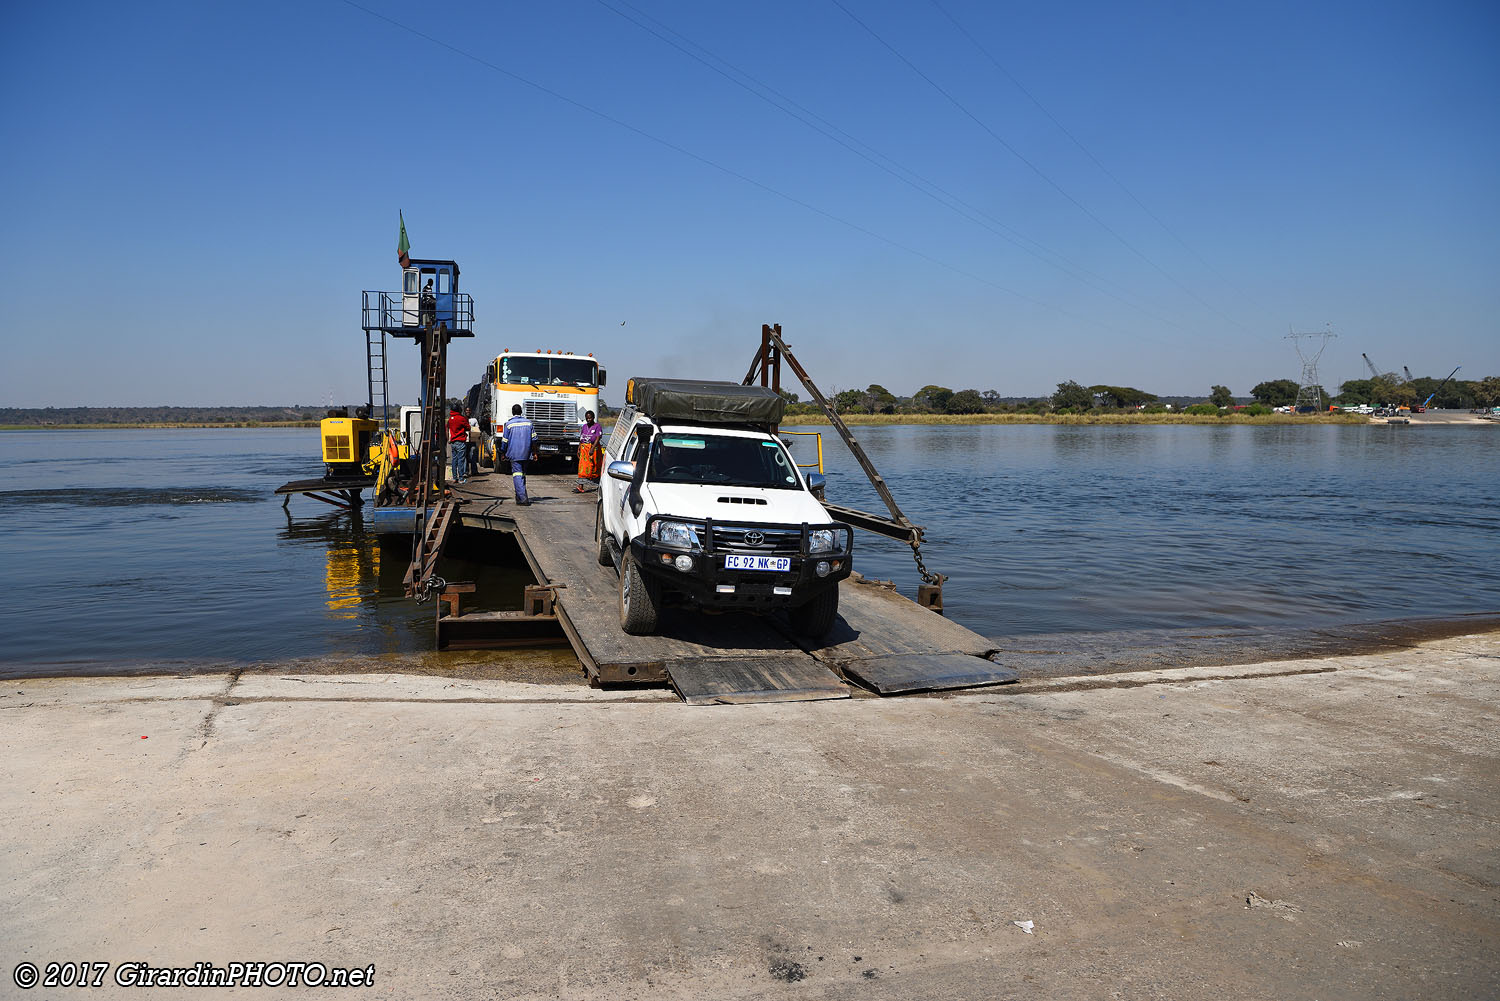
(677, 534)
(827, 540)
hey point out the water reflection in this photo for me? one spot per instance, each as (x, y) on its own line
(351, 575)
(364, 578)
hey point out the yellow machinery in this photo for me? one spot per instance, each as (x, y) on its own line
(346, 445)
(388, 455)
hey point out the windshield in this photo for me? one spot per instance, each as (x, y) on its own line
(554, 371)
(721, 460)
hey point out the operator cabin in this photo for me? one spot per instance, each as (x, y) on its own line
(428, 290)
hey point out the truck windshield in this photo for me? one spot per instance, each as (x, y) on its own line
(554, 371)
(722, 461)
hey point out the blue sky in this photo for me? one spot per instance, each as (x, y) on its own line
(976, 194)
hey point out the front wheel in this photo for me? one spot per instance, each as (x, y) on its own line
(606, 558)
(815, 618)
(640, 599)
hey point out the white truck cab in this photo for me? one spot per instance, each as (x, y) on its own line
(703, 503)
(554, 390)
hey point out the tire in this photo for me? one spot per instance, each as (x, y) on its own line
(816, 617)
(606, 558)
(640, 599)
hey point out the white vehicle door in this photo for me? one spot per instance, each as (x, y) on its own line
(614, 493)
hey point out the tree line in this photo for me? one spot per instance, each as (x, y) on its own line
(1073, 397)
(1069, 397)
(1459, 394)
(44, 416)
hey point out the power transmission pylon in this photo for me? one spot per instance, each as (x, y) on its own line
(1309, 390)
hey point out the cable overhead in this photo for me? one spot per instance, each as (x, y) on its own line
(667, 144)
(1033, 167)
(1079, 143)
(928, 188)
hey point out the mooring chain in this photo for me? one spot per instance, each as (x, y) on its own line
(425, 589)
(928, 577)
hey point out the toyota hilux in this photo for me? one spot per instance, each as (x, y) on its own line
(701, 503)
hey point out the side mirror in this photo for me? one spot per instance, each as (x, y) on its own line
(816, 483)
(622, 471)
(603, 377)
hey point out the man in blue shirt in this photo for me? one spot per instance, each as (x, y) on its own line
(515, 445)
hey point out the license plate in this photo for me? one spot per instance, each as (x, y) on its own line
(780, 564)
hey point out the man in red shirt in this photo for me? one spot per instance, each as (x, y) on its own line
(458, 444)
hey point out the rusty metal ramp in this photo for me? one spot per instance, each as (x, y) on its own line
(733, 680)
(890, 645)
(895, 675)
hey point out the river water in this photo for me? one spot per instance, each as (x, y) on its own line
(133, 550)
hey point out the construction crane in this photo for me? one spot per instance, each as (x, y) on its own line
(1389, 378)
(1423, 406)
(1408, 373)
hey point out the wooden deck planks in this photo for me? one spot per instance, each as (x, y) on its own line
(556, 532)
(883, 641)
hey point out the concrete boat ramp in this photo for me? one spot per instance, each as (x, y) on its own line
(883, 643)
(1321, 829)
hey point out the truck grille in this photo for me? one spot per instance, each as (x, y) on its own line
(553, 416)
(774, 541)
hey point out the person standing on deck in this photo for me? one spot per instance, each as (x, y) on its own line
(515, 444)
(458, 444)
(588, 452)
(472, 452)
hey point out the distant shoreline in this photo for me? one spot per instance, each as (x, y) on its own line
(158, 426)
(1446, 418)
(1077, 419)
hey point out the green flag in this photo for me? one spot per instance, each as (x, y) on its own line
(403, 244)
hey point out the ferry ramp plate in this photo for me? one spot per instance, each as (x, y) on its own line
(730, 680)
(916, 672)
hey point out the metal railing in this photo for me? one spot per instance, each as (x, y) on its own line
(808, 465)
(390, 311)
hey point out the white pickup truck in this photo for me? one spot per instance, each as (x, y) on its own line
(701, 502)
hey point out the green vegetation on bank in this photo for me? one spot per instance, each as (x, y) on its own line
(103, 417)
(1096, 417)
(1070, 403)
(1071, 399)
(159, 425)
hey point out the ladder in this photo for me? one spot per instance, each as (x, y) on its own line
(379, 384)
(433, 513)
(432, 536)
